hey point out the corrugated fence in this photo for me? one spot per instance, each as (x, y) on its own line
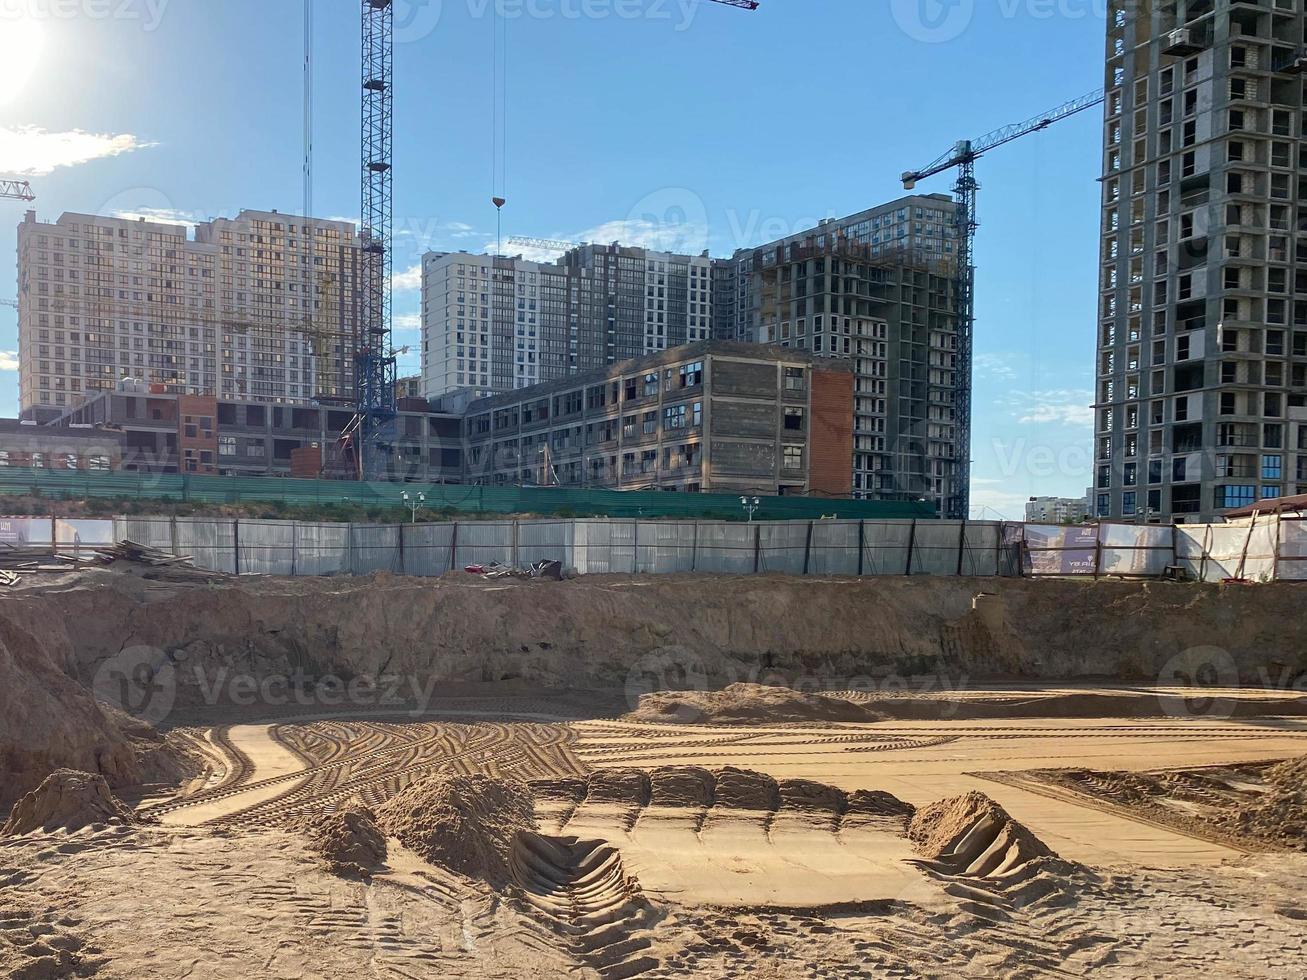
(1267, 548)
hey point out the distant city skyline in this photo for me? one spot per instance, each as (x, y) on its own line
(654, 157)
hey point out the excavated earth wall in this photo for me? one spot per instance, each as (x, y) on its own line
(615, 632)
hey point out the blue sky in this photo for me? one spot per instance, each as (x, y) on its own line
(651, 121)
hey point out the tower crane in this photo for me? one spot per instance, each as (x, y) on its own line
(16, 190)
(374, 361)
(546, 244)
(963, 157)
(11, 303)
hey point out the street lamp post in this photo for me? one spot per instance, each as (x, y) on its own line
(750, 506)
(414, 503)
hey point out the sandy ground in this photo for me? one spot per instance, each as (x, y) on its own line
(640, 872)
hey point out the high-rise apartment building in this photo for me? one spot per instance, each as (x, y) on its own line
(495, 324)
(262, 306)
(877, 287)
(919, 224)
(1201, 372)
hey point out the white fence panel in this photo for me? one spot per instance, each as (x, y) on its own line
(428, 549)
(545, 541)
(374, 548)
(321, 549)
(834, 548)
(266, 547)
(981, 549)
(211, 543)
(665, 547)
(484, 542)
(936, 549)
(886, 548)
(727, 548)
(782, 548)
(602, 547)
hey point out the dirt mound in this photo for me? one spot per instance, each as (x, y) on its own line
(48, 720)
(683, 786)
(67, 800)
(1280, 813)
(748, 703)
(349, 840)
(972, 835)
(466, 824)
(627, 787)
(740, 789)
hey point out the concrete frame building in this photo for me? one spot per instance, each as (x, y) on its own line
(919, 224)
(497, 324)
(876, 286)
(1201, 373)
(262, 306)
(711, 417)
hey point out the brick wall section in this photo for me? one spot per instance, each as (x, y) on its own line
(830, 439)
(197, 440)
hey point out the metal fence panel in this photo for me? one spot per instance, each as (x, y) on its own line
(544, 541)
(374, 548)
(211, 543)
(321, 549)
(783, 548)
(484, 542)
(980, 549)
(428, 549)
(266, 547)
(936, 548)
(886, 547)
(834, 548)
(601, 547)
(155, 532)
(664, 548)
(727, 548)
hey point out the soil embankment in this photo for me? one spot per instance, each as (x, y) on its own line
(631, 634)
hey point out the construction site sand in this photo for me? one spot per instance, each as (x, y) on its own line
(662, 850)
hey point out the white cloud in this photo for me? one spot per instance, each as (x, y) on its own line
(407, 281)
(31, 152)
(999, 367)
(8, 360)
(634, 232)
(167, 216)
(407, 323)
(1064, 407)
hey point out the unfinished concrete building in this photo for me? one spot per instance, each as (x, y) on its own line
(1202, 350)
(892, 314)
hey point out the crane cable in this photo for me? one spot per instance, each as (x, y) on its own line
(499, 120)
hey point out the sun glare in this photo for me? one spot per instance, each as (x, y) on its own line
(20, 52)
